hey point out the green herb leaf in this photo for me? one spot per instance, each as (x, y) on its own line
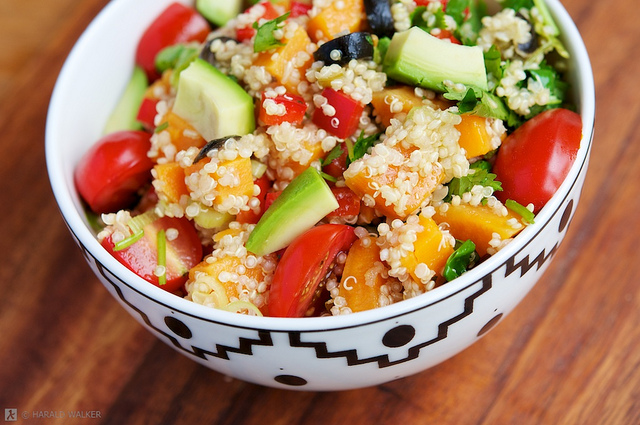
(527, 216)
(176, 57)
(361, 146)
(485, 104)
(517, 4)
(265, 39)
(333, 154)
(380, 50)
(461, 260)
(478, 175)
(328, 177)
(456, 9)
(492, 61)
(161, 127)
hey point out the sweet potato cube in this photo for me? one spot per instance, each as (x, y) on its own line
(391, 101)
(170, 183)
(239, 168)
(474, 137)
(183, 135)
(339, 16)
(361, 279)
(479, 223)
(430, 248)
(289, 62)
(366, 185)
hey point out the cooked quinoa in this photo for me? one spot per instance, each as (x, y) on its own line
(401, 179)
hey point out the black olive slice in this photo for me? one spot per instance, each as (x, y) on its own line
(379, 17)
(206, 53)
(211, 145)
(357, 45)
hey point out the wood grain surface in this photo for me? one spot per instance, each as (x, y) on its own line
(568, 354)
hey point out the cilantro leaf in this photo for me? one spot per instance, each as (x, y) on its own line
(265, 40)
(461, 260)
(478, 175)
(333, 154)
(493, 62)
(517, 4)
(483, 103)
(361, 146)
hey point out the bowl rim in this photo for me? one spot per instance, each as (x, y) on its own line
(74, 219)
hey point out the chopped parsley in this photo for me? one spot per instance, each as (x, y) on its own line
(361, 146)
(265, 39)
(462, 259)
(478, 175)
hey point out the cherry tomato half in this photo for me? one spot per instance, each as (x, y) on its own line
(182, 253)
(176, 24)
(534, 160)
(304, 265)
(110, 174)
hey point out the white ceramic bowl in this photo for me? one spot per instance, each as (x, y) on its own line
(329, 353)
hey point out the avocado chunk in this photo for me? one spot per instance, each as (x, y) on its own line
(304, 202)
(416, 57)
(214, 104)
(219, 12)
(123, 116)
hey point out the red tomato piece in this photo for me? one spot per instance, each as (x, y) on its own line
(299, 9)
(337, 166)
(348, 201)
(304, 265)
(294, 105)
(247, 32)
(182, 253)
(176, 24)
(111, 173)
(347, 115)
(250, 216)
(445, 35)
(271, 196)
(534, 160)
(147, 113)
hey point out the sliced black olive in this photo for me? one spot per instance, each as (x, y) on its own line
(211, 145)
(207, 54)
(379, 17)
(531, 45)
(357, 45)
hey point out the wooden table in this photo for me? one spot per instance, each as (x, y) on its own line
(569, 354)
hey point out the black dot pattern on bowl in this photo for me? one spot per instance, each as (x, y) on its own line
(398, 336)
(566, 215)
(490, 324)
(291, 380)
(178, 327)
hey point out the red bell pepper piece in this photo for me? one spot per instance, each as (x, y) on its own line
(295, 108)
(344, 122)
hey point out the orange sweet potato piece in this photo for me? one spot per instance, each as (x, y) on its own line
(240, 167)
(403, 98)
(171, 177)
(361, 278)
(430, 248)
(479, 223)
(474, 137)
(363, 184)
(336, 18)
(287, 60)
(183, 135)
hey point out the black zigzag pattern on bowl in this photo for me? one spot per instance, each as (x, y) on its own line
(383, 360)
(525, 265)
(245, 345)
